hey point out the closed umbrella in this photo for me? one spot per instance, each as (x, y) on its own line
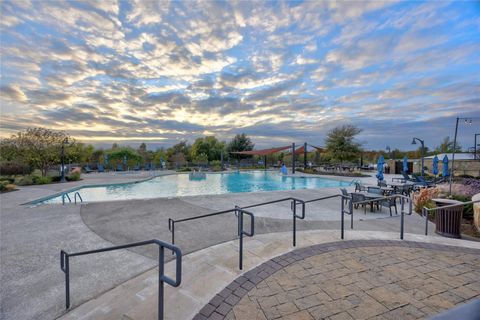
(445, 166)
(380, 163)
(435, 165)
(125, 162)
(405, 164)
(105, 160)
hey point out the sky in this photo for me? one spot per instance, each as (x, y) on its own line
(281, 72)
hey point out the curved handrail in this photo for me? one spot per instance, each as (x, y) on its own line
(68, 197)
(65, 267)
(79, 196)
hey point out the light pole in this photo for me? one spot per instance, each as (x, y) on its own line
(62, 169)
(467, 121)
(423, 150)
(389, 152)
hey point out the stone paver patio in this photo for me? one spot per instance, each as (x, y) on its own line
(353, 280)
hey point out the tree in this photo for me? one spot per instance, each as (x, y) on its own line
(39, 147)
(447, 146)
(240, 143)
(208, 146)
(181, 147)
(340, 144)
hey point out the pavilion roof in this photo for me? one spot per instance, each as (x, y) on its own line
(262, 152)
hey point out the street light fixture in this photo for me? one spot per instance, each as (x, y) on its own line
(389, 152)
(62, 169)
(423, 158)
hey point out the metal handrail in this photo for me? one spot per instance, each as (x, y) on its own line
(68, 197)
(79, 196)
(293, 207)
(238, 213)
(162, 278)
(426, 210)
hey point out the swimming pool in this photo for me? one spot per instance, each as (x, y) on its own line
(178, 185)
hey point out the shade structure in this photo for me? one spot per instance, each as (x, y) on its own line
(262, 152)
(405, 164)
(435, 165)
(301, 149)
(380, 163)
(445, 166)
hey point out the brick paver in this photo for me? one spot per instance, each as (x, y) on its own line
(367, 279)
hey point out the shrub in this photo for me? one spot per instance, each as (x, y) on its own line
(24, 181)
(423, 197)
(56, 178)
(42, 180)
(3, 185)
(9, 179)
(74, 176)
(185, 169)
(13, 169)
(468, 208)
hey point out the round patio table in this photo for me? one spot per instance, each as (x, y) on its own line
(448, 221)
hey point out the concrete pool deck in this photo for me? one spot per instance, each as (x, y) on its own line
(32, 237)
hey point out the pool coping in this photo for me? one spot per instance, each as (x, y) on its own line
(57, 194)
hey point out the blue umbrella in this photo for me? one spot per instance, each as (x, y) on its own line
(445, 166)
(435, 165)
(125, 160)
(105, 159)
(380, 163)
(405, 164)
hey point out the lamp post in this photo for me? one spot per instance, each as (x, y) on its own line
(423, 150)
(62, 169)
(389, 152)
(467, 121)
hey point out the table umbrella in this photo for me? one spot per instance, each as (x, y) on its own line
(435, 165)
(445, 166)
(380, 163)
(105, 160)
(405, 164)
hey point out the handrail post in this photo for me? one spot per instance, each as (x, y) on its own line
(240, 235)
(351, 212)
(426, 220)
(161, 273)
(402, 201)
(171, 227)
(65, 266)
(341, 219)
(294, 208)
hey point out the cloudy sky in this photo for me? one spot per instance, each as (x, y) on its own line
(282, 72)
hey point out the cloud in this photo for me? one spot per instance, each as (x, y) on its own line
(162, 70)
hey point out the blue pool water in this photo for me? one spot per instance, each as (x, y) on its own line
(184, 185)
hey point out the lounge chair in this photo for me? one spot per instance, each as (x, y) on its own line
(119, 167)
(100, 168)
(422, 181)
(382, 183)
(152, 166)
(87, 169)
(146, 167)
(136, 168)
(406, 177)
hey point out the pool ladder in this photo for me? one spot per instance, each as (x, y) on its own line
(65, 195)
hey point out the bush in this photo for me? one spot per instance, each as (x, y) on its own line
(42, 180)
(74, 176)
(423, 197)
(56, 178)
(9, 179)
(468, 208)
(13, 169)
(186, 169)
(24, 181)
(5, 186)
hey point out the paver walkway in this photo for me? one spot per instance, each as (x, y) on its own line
(353, 280)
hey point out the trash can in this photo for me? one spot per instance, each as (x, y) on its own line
(449, 220)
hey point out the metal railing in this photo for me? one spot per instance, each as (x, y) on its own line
(425, 210)
(65, 195)
(380, 198)
(162, 278)
(79, 196)
(239, 212)
(293, 207)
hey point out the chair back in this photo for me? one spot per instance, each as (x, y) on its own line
(375, 190)
(344, 192)
(357, 197)
(382, 184)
